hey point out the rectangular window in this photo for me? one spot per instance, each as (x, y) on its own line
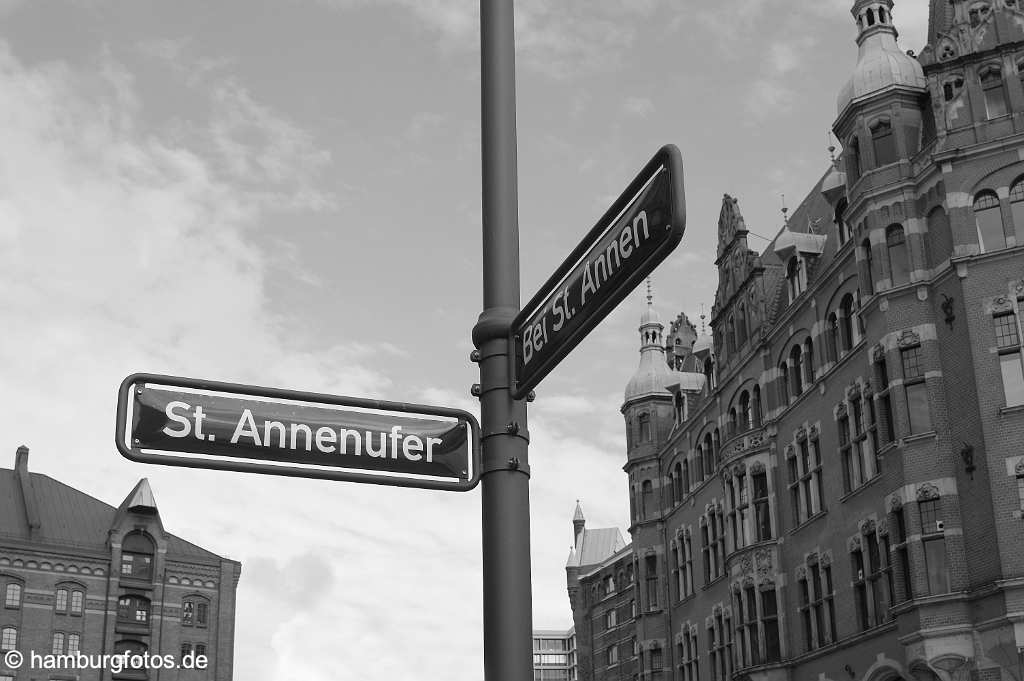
(77, 601)
(8, 638)
(1011, 364)
(934, 540)
(652, 583)
(860, 589)
(762, 513)
(61, 604)
(903, 555)
(58, 644)
(770, 622)
(916, 390)
(74, 641)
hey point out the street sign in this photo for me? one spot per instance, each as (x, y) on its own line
(633, 236)
(208, 424)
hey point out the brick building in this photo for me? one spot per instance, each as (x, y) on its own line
(78, 575)
(831, 486)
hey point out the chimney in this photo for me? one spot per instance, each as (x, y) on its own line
(28, 494)
(21, 459)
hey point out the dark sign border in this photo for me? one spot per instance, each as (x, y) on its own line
(667, 157)
(136, 454)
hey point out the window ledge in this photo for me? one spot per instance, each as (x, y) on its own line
(887, 447)
(1015, 409)
(810, 521)
(930, 435)
(714, 580)
(863, 486)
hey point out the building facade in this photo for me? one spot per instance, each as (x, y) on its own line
(80, 576)
(554, 655)
(831, 486)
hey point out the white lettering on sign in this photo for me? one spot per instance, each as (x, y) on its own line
(299, 436)
(186, 425)
(595, 271)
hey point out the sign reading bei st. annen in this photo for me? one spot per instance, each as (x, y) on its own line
(635, 234)
(207, 424)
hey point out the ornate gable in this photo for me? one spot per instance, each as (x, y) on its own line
(963, 27)
(730, 224)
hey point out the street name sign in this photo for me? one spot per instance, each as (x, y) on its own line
(209, 424)
(634, 235)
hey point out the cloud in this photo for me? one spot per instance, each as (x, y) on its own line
(638, 106)
(558, 39)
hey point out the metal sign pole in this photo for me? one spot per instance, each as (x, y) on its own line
(505, 471)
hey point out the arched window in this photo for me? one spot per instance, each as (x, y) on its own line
(832, 337)
(793, 278)
(847, 328)
(12, 595)
(733, 422)
(133, 609)
(899, 258)
(716, 447)
(871, 17)
(853, 159)
(730, 336)
(995, 94)
(869, 269)
(745, 418)
(677, 482)
(686, 475)
(741, 326)
(698, 464)
(709, 374)
(809, 361)
(841, 226)
(756, 409)
(884, 143)
(647, 500)
(881, 15)
(783, 384)
(709, 456)
(990, 221)
(195, 611)
(8, 638)
(796, 361)
(1017, 209)
(137, 556)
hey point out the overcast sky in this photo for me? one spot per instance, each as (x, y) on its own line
(287, 193)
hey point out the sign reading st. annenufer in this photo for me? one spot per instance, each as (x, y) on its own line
(205, 424)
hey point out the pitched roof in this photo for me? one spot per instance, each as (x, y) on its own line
(594, 546)
(69, 517)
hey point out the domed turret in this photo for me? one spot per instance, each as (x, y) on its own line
(653, 373)
(880, 63)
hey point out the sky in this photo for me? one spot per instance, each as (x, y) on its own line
(287, 194)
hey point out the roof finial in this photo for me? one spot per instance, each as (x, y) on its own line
(650, 294)
(785, 217)
(831, 147)
(703, 331)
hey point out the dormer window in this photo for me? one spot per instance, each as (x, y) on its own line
(841, 226)
(992, 85)
(884, 143)
(793, 278)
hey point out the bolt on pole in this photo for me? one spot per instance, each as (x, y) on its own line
(505, 471)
